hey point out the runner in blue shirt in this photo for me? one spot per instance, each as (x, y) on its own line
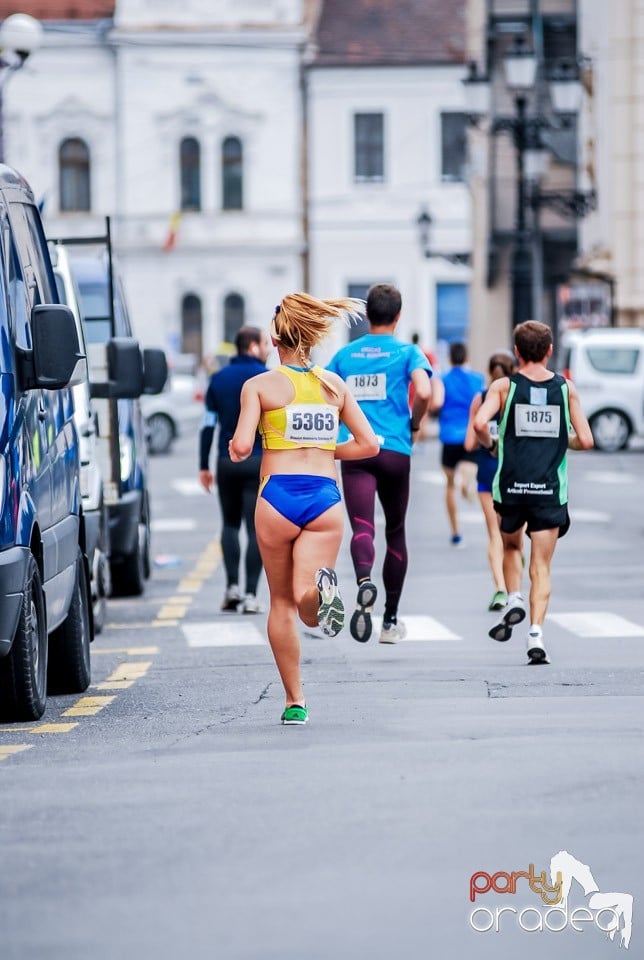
(379, 369)
(453, 398)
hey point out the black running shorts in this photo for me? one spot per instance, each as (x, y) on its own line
(513, 516)
(453, 453)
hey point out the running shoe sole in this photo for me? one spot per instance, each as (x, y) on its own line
(537, 655)
(331, 609)
(502, 630)
(360, 625)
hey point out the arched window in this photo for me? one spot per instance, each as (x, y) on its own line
(190, 163)
(233, 316)
(73, 166)
(232, 174)
(192, 326)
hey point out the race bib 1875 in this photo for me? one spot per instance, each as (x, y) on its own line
(368, 386)
(311, 423)
(536, 421)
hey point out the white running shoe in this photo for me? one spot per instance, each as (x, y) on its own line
(392, 632)
(512, 614)
(536, 650)
(250, 604)
(232, 599)
(331, 608)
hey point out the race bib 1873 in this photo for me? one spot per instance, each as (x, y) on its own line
(536, 421)
(368, 386)
(311, 423)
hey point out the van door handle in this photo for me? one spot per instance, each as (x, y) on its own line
(42, 413)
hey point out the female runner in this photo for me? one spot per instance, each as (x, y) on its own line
(299, 517)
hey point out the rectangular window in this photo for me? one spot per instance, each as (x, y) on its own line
(369, 153)
(452, 311)
(359, 291)
(619, 360)
(453, 146)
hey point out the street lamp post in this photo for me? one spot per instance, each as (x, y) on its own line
(531, 162)
(20, 35)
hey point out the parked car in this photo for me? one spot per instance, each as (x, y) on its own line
(121, 435)
(45, 610)
(175, 410)
(607, 367)
(91, 472)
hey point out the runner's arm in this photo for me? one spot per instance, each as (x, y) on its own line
(438, 395)
(582, 439)
(364, 443)
(471, 440)
(422, 396)
(243, 441)
(494, 400)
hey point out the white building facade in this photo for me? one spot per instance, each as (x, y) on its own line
(386, 142)
(184, 123)
(363, 213)
(242, 154)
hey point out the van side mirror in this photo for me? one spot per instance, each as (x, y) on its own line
(155, 370)
(124, 371)
(56, 359)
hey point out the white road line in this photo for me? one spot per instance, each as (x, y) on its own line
(188, 487)
(597, 624)
(419, 628)
(590, 516)
(609, 477)
(214, 633)
(176, 525)
(432, 476)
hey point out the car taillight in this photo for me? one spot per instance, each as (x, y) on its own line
(567, 373)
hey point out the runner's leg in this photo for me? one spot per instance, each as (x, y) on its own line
(393, 492)
(450, 499)
(543, 543)
(229, 489)
(276, 536)
(253, 560)
(359, 490)
(317, 546)
(495, 542)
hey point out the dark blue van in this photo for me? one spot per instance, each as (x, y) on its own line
(45, 609)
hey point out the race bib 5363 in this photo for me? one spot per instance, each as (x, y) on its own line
(311, 423)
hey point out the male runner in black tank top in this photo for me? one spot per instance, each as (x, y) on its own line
(537, 411)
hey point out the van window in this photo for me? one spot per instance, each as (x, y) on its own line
(613, 359)
(17, 290)
(95, 309)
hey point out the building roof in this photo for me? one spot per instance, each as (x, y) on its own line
(376, 32)
(60, 9)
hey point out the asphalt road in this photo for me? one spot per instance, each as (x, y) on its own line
(170, 815)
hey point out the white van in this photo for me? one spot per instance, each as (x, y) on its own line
(91, 473)
(607, 367)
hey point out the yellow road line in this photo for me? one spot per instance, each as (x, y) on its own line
(87, 706)
(131, 651)
(54, 728)
(190, 585)
(9, 750)
(130, 671)
(181, 600)
(164, 623)
(172, 611)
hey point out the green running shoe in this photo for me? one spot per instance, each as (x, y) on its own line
(499, 600)
(295, 714)
(331, 609)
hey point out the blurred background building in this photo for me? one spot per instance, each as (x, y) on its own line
(247, 148)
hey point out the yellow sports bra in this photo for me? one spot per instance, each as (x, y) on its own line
(307, 421)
